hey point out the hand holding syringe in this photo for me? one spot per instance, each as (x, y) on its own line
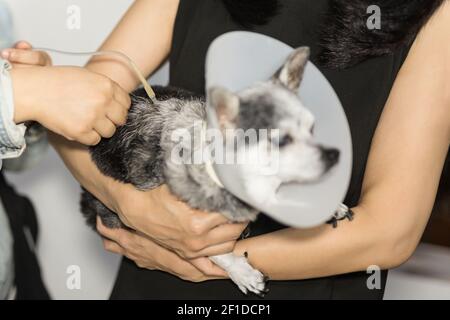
(71, 101)
(131, 63)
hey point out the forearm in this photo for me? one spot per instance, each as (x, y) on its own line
(145, 35)
(294, 254)
(77, 159)
(152, 18)
(401, 179)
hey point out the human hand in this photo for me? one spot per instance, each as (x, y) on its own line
(22, 55)
(172, 224)
(149, 255)
(73, 102)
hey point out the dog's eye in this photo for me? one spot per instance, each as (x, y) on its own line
(312, 129)
(285, 140)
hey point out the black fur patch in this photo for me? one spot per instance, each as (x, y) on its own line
(250, 13)
(257, 115)
(345, 38)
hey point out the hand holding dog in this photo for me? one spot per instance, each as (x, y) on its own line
(149, 255)
(73, 102)
(171, 223)
(172, 238)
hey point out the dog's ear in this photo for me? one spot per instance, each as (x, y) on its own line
(291, 73)
(226, 104)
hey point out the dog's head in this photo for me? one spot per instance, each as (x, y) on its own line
(274, 105)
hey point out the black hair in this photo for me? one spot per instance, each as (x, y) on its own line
(345, 38)
(249, 13)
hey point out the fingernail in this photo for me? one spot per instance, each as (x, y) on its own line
(5, 54)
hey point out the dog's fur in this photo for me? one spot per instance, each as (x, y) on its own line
(250, 13)
(345, 38)
(140, 153)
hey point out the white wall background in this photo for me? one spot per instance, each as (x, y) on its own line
(64, 239)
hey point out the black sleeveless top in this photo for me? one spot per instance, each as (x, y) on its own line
(363, 91)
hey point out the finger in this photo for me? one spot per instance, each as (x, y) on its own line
(225, 233)
(120, 236)
(121, 96)
(186, 271)
(113, 247)
(206, 221)
(90, 139)
(216, 250)
(20, 65)
(105, 128)
(5, 53)
(217, 241)
(183, 269)
(209, 268)
(117, 113)
(35, 58)
(25, 45)
(106, 232)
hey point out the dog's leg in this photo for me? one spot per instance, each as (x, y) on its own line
(343, 212)
(242, 273)
(91, 207)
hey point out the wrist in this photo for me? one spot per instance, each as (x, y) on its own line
(117, 196)
(109, 192)
(24, 106)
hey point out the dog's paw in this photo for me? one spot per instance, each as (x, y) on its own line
(343, 212)
(111, 221)
(247, 278)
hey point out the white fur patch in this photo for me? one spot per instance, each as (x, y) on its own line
(242, 273)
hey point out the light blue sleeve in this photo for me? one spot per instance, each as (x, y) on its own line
(12, 140)
(6, 255)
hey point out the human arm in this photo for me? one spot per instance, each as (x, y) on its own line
(51, 96)
(13, 112)
(145, 35)
(156, 213)
(400, 184)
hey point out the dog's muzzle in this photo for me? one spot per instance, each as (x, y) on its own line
(330, 157)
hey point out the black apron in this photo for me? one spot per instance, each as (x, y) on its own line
(363, 91)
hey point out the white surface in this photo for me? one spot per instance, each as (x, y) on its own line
(65, 240)
(233, 64)
(425, 276)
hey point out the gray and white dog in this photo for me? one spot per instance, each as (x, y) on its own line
(140, 153)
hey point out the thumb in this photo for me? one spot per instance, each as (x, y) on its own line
(23, 45)
(209, 268)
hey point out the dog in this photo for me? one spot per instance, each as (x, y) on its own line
(141, 152)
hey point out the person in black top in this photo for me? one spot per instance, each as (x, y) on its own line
(396, 98)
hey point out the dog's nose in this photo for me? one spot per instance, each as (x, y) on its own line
(330, 157)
